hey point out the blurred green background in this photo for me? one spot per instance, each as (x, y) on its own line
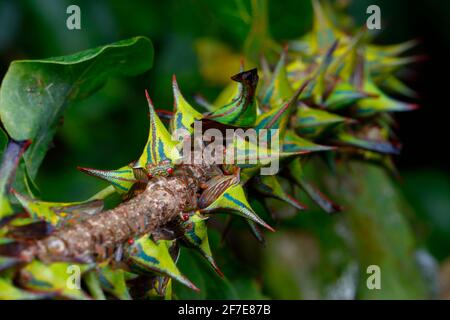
(109, 129)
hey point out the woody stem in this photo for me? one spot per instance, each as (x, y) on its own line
(97, 237)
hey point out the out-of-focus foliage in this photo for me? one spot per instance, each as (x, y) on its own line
(323, 257)
(427, 192)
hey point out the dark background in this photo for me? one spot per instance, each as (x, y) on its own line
(109, 129)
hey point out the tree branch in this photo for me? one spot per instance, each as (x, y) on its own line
(97, 237)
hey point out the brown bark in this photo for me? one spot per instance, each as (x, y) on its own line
(97, 237)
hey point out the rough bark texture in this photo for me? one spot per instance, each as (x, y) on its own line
(97, 237)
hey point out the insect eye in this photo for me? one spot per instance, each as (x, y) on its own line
(185, 217)
(169, 170)
(149, 175)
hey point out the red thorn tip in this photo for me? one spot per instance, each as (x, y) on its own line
(194, 287)
(242, 63)
(148, 97)
(269, 227)
(174, 79)
(219, 272)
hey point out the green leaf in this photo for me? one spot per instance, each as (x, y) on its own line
(35, 93)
